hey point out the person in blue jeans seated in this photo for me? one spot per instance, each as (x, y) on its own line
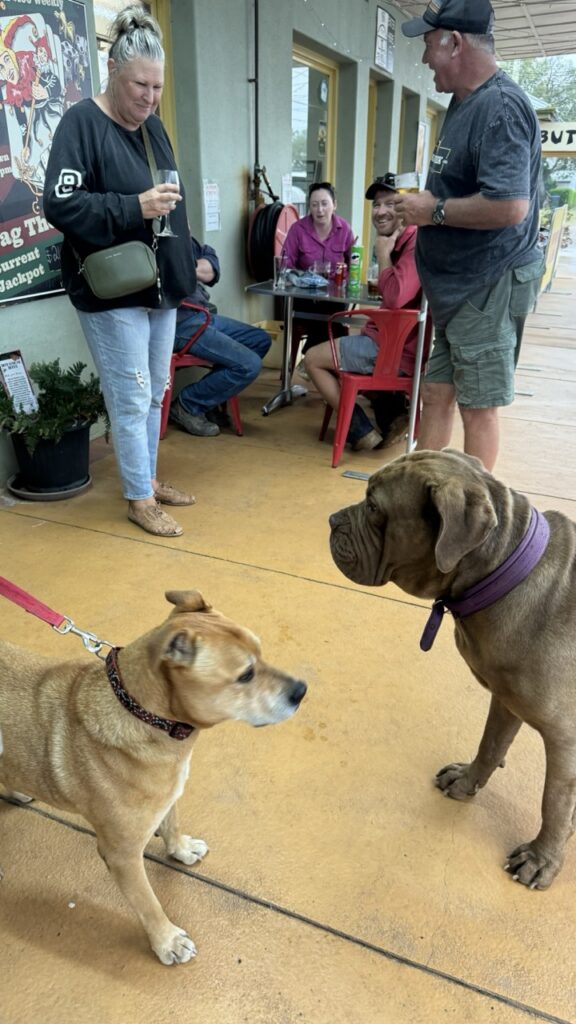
(235, 348)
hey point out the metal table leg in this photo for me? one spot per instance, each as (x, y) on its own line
(289, 391)
(410, 442)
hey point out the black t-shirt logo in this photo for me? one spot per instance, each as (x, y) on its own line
(68, 181)
(439, 159)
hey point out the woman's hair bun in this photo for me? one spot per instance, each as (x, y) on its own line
(135, 33)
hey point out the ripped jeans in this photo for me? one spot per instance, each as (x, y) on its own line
(132, 348)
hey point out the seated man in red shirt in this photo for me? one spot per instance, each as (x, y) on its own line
(399, 287)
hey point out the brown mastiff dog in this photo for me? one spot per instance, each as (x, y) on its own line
(436, 524)
(113, 742)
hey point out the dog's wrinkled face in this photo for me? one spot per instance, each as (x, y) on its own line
(216, 672)
(422, 513)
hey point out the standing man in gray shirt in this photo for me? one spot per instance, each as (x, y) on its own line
(476, 253)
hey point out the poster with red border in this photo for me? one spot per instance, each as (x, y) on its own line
(44, 69)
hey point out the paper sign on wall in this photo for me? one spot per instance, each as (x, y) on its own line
(211, 206)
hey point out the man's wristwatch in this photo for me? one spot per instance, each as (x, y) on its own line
(439, 214)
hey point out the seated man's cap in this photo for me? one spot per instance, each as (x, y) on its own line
(387, 181)
(474, 17)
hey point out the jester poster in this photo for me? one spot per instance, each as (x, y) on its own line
(44, 69)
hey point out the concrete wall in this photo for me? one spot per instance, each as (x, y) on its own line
(213, 60)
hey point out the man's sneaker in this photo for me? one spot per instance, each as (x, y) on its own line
(193, 424)
(220, 417)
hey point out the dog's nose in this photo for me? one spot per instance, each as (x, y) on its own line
(338, 518)
(297, 692)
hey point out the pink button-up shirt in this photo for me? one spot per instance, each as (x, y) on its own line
(303, 247)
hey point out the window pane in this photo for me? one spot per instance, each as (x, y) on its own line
(310, 97)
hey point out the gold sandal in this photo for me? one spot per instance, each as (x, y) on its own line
(154, 520)
(167, 494)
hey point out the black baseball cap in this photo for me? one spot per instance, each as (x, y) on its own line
(475, 17)
(387, 181)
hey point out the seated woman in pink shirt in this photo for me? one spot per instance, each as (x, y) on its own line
(321, 236)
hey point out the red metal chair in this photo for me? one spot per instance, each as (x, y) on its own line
(394, 326)
(186, 358)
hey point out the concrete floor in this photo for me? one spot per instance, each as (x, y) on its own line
(340, 887)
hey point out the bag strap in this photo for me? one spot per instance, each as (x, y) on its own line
(154, 172)
(150, 155)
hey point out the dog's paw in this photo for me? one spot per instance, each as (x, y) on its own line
(530, 867)
(176, 947)
(455, 780)
(188, 850)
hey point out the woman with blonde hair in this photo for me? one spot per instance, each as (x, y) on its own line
(100, 191)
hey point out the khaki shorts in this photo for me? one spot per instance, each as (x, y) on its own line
(477, 350)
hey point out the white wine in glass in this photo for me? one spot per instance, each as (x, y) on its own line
(167, 178)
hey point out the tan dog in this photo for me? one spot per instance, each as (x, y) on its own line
(436, 523)
(66, 739)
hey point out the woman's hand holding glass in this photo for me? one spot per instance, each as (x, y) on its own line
(169, 177)
(160, 200)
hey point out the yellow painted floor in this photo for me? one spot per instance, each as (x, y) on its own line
(340, 887)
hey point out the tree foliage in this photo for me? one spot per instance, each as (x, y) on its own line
(550, 79)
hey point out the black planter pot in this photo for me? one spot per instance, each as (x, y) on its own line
(53, 467)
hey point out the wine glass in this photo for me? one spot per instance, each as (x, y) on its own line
(167, 177)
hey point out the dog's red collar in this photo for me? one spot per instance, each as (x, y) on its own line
(177, 730)
(499, 583)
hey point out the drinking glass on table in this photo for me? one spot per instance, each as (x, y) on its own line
(280, 273)
(167, 177)
(322, 267)
(372, 279)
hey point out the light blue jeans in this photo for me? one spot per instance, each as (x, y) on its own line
(132, 349)
(235, 348)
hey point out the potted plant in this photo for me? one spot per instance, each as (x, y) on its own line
(51, 443)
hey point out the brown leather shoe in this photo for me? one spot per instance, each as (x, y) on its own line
(166, 494)
(367, 442)
(396, 431)
(154, 520)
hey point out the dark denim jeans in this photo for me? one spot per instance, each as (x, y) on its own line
(235, 348)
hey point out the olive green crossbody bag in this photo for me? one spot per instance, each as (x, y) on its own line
(126, 268)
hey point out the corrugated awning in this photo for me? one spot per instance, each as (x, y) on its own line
(524, 28)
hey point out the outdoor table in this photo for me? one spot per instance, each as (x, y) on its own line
(346, 296)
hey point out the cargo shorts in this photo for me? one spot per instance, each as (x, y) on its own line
(477, 349)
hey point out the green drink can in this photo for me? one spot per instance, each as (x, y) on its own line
(355, 270)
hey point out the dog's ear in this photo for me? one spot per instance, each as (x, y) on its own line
(467, 517)
(181, 649)
(188, 600)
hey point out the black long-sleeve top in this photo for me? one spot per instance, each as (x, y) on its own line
(95, 173)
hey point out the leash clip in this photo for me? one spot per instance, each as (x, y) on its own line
(91, 642)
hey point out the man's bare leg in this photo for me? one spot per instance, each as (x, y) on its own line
(437, 419)
(320, 366)
(481, 434)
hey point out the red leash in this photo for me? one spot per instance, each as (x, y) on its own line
(61, 623)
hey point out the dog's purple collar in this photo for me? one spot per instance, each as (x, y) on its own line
(177, 730)
(500, 582)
